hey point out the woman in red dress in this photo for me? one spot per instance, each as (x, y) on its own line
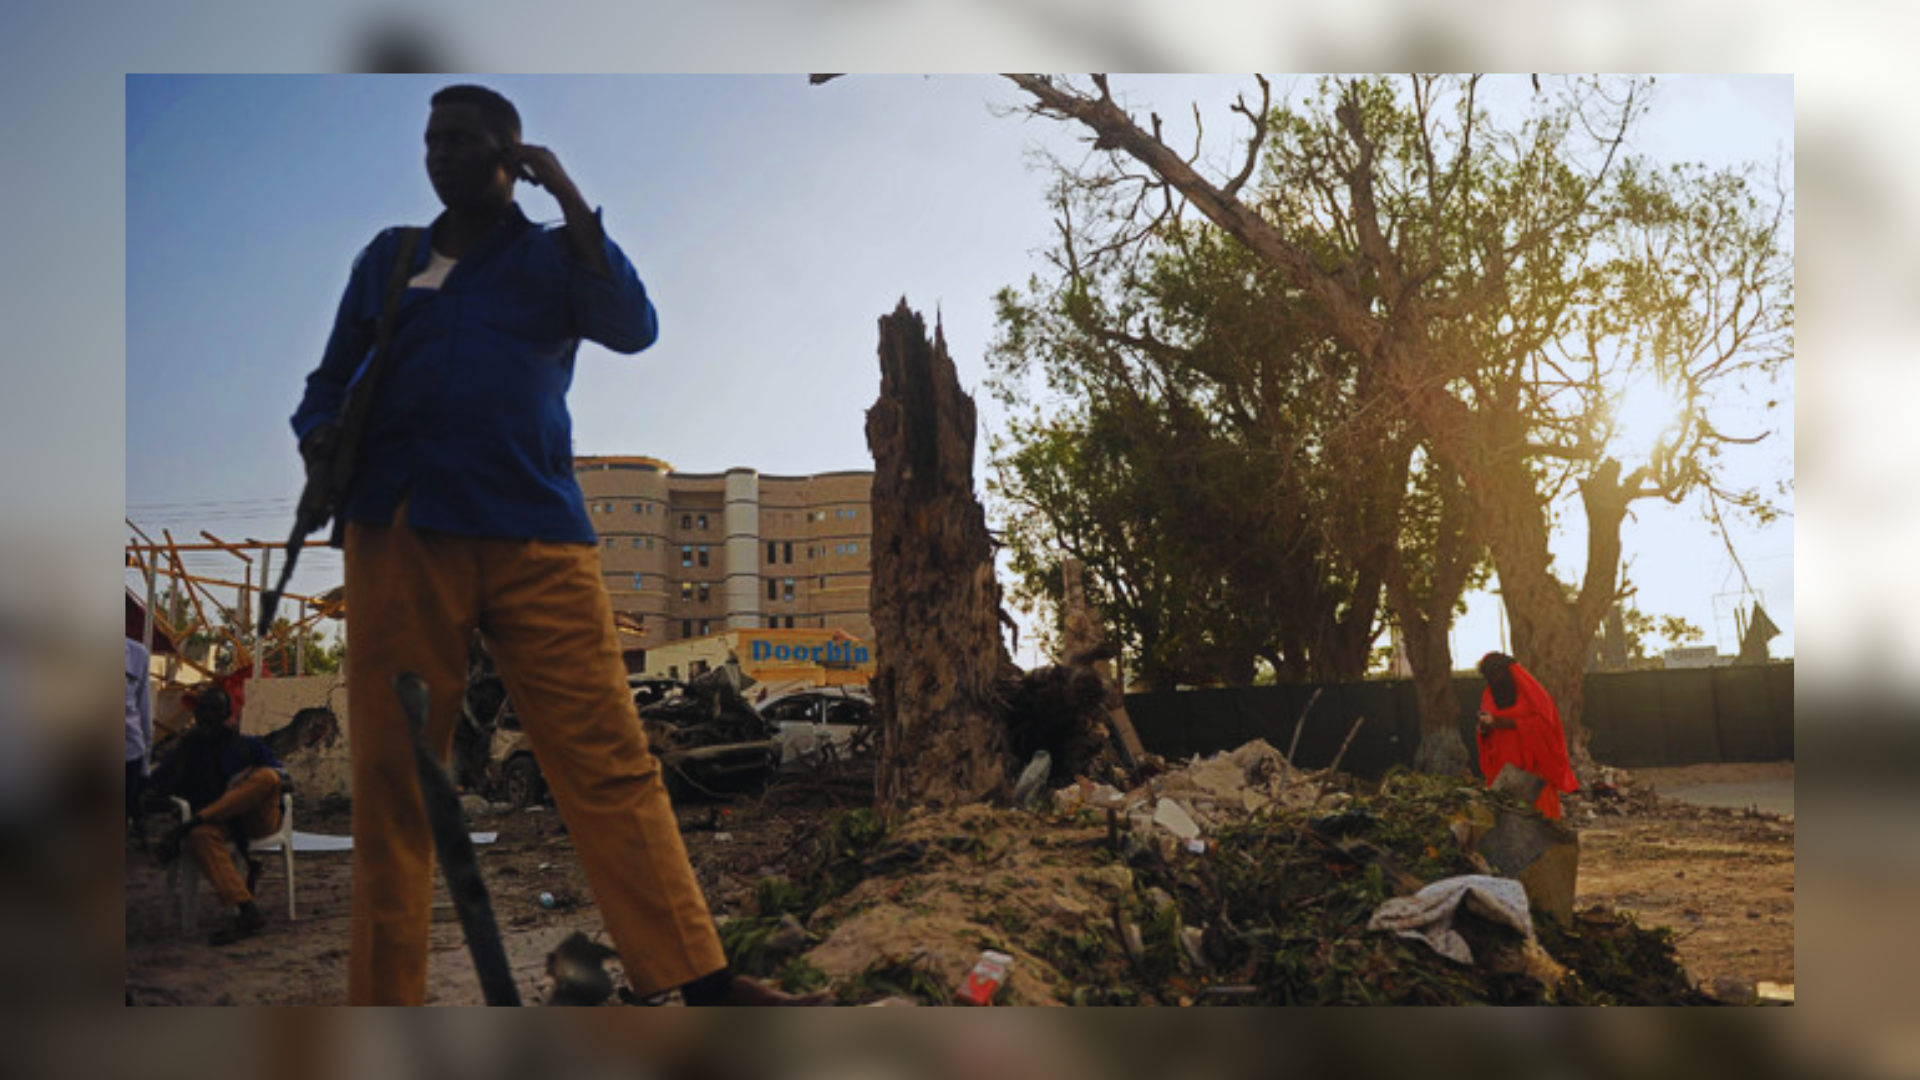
(1520, 726)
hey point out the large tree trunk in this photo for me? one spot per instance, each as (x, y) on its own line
(935, 601)
(1441, 752)
(1424, 623)
(1423, 628)
(1553, 628)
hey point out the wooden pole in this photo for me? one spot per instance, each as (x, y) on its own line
(259, 639)
(180, 569)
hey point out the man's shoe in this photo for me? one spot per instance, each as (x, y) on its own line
(246, 922)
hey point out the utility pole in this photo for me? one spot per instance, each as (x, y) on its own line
(259, 640)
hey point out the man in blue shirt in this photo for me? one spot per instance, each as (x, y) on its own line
(463, 513)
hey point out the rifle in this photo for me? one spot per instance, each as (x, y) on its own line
(457, 861)
(327, 478)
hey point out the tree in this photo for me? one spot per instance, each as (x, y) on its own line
(1438, 556)
(1197, 471)
(282, 653)
(1505, 281)
(938, 686)
(1311, 494)
(1642, 637)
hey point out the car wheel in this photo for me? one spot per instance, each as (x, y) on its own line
(523, 783)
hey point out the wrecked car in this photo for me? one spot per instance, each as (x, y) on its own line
(821, 726)
(709, 740)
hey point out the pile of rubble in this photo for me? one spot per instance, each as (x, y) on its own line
(1235, 879)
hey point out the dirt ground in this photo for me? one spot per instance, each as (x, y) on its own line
(1723, 880)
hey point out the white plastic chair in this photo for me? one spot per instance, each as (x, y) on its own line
(183, 877)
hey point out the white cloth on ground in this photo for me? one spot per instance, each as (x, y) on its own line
(1428, 914)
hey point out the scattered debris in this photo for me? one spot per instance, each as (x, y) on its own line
(1027, 791)
(577, 971)
(1233, 880)
(1428, 915)
(987, 978)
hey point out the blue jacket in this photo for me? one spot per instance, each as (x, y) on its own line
(471, 425)
(200, 767)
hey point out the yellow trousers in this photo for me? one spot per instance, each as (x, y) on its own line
(414, 598)
(254, 801)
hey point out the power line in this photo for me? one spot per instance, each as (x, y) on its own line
(210, 503)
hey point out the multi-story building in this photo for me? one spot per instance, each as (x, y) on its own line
(687, 555)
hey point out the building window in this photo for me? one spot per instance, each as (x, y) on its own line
(637, 582)
(702, 525)
(853, 549)
(773, 589)
(705, 628)
(686, 628)
(788, 595)
(686, 521)
(703, 592)
(686, 556)
(772, 553)
(823, 581)
(788, 549)
(609, 543)
(638, 543)
(686, 591)
(703, 554)
(639, 508)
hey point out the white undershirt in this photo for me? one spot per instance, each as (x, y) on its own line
(435, 273)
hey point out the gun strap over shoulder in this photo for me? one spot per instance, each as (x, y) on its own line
(331, 483)
(390, 306)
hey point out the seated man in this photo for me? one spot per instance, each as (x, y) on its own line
(233, 783)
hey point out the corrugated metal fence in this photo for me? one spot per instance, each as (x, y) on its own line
(1638, 718)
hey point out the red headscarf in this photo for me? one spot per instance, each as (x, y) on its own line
(1537, 743)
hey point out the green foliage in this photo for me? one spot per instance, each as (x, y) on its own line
(913, 978)
(799, 976)
(323, 655)
(1406, 276)
(1199, 471)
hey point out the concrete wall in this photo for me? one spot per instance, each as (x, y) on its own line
(271, 703)
(1638, 719)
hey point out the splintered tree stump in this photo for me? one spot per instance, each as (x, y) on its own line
(1086, 643)
(941, 662)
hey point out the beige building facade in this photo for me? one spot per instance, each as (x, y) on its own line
(690, 555)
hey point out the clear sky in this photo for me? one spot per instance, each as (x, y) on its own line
(773, 222)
